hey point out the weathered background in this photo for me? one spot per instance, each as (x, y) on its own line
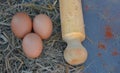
(102, 21)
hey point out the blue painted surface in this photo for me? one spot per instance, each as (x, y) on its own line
(98, 14)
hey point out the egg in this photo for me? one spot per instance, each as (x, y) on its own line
(32, 45)
(42, 25)
(21, 24)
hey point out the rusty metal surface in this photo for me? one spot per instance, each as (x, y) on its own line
(102, 21)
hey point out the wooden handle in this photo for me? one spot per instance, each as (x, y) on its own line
(73, 31)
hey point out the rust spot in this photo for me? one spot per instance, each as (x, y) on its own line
(115, 52)
(101, 46)
(108, 32)
(99, 54)
(86, 8)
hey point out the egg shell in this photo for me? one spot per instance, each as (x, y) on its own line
(42, 25)
(21, 24)
(32, 45)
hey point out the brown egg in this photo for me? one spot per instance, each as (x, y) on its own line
(21, 24)
(42, 25)
(32, 45)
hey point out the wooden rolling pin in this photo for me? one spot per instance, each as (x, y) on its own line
(73, 32)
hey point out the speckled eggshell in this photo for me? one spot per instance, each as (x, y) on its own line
(32, 45)
(21, 24)
(42, 25)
